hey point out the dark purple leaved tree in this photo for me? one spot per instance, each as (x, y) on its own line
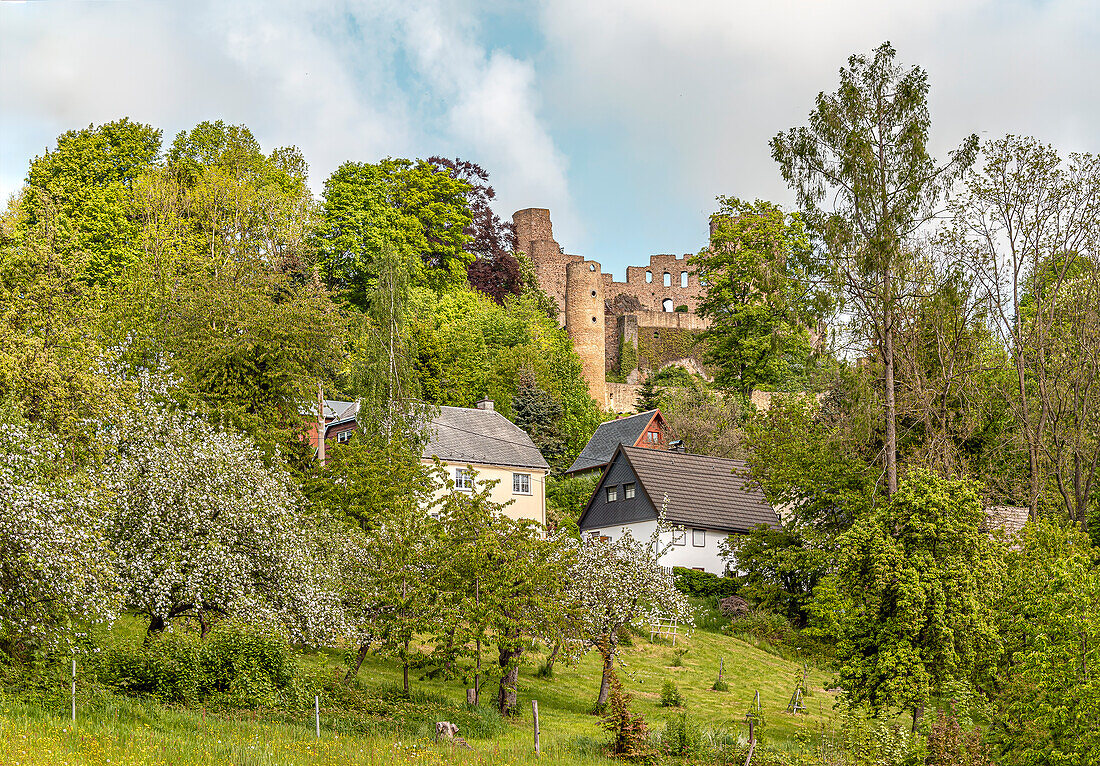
(494, 271)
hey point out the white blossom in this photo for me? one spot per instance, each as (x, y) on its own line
(200, 526)
(54, 565)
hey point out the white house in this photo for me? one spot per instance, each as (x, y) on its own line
(483, 439)
(705, 499)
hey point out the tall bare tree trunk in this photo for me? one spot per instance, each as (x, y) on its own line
(891, 398)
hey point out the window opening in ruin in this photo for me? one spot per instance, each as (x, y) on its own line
(668, 279)
(656, 333)
(666, 304)
(593, 320)
(683, 279)
(649, 276)
(591, 267)
(593, 293)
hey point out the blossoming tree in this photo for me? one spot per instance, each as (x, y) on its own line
(202, 527)
(54, 569)
(617, 583)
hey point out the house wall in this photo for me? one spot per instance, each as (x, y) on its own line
(706, 557)
(531, 506)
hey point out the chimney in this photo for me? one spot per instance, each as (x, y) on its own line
(677, 446)
(486, 404)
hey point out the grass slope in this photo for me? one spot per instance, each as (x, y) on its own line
(122, 731)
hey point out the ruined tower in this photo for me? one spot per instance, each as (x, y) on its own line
(535, 237)
(584, 321)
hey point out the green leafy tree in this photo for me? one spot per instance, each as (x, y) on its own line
(398, 562)
(500, 582)
(467, 347)
(1050, 619)
(865, 149)
(85, 188)
(566, 497)
(1025, 219)
(53, 358)
(812, 472)
(765, 293)
(912, 597)
(419, 209)
(649, 396)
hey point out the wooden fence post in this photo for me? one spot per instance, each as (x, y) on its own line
(317, 713)
(74, 691)
(535, 717)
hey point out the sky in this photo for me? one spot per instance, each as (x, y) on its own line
(625, 117)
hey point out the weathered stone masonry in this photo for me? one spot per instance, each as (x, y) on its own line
(601, 314)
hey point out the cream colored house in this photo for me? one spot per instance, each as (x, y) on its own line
(497, 449)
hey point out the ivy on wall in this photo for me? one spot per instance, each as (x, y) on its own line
(657, 346)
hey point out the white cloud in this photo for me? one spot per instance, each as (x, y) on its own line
(710, 82)
(355, 80)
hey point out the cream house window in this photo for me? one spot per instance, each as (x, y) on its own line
(679, 537)
(699, 537)
(464, 479)
(521, 484)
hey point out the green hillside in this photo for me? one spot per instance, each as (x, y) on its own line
(116, 730)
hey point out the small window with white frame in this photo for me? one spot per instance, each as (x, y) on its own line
(464, 479)
(343, 436)
(679, 537)
(628, 491)
(521, 484)
(612, 494)
(699, 538)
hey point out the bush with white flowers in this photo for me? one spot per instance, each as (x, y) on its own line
(55, 577)
(202, 527)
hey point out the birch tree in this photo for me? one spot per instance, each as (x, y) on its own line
(864, 155)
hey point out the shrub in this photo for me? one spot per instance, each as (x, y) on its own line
(678, 659)
(720, 686)
(703, 584)
(951, 745)
(670, 695)
(758, 627)
(236, 666)
(247, 667)
(682, 738)
(165, 667)
(629, 736)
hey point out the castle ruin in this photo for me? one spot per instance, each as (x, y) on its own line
(632, 327)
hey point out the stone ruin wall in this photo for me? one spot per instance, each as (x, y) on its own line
(637, 304)
(647, 283)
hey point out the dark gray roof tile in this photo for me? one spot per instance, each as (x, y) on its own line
(601, 447)
(702, 491)
(462, 435)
